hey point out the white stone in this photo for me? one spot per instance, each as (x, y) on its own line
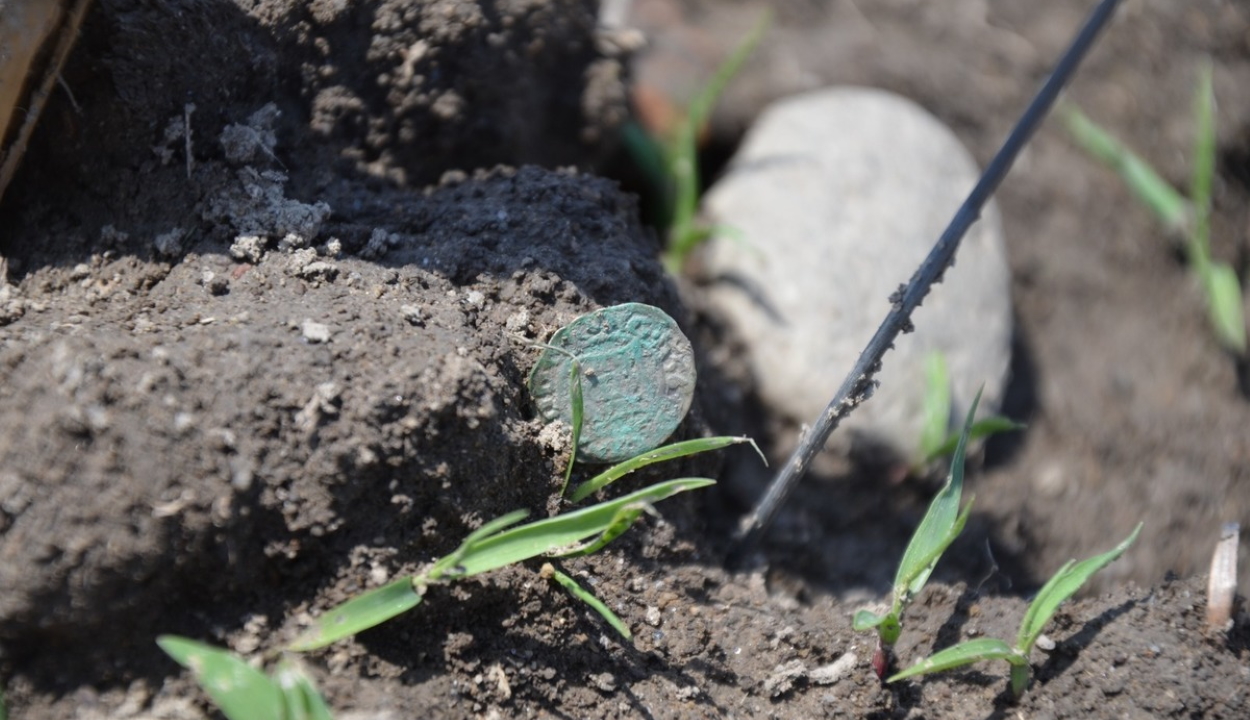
(834, 199)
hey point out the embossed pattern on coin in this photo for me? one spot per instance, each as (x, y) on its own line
(637, 375)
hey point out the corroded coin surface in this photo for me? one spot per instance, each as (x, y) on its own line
(637, 375)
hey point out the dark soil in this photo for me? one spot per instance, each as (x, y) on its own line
(220, 438)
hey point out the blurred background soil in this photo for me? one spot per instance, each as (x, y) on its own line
(212, 437)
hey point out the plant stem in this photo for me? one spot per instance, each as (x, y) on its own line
(1019, 679)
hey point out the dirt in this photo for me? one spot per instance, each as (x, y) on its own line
(252, 369)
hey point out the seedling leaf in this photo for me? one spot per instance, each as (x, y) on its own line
(865, 620)
(660, 454)
(1152, 190)
(918, 582)
(1225, 305)
(303, 701)
(623, 520)
(449, 563)
(589, 598)
(935, 413)
(964, 653)
(549, 535)
(940, 525)
(981, 429)
(1204, 163)
(360, 613)
(682, 153)
(579, 409)
(1060, 587)
(241, 691)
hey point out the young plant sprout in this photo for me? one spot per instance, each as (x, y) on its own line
(673, 166)
(241, 691)
(1189, 217)
(490, 547)
(937, 440)
(1060, 587)
(941, 524)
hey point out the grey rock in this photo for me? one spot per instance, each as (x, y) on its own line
(835, 197)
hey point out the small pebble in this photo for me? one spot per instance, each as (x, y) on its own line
(315, 332)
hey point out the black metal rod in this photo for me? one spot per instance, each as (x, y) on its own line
(859, 384)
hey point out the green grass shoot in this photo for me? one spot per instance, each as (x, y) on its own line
(241, 691)
(680, 183)
(303, 700)
(660, 454)
(937, 439)
(941, 524)
(1188, 217)
(581, 593)
(1070, 578)
(491, 547)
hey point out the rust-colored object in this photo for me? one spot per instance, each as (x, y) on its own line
(36, 37)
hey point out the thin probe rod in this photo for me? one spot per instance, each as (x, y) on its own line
(859, 383)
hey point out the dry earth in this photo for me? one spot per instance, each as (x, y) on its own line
(213, 436)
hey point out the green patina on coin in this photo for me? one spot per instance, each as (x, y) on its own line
(637, 375)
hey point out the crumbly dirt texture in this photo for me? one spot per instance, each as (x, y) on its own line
(272, 281)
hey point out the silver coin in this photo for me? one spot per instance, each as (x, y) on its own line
(637, 374)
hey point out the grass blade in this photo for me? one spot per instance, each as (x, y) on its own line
(303, 701)
(360, 613)
(682, 152)
(1225, 306)
(1060, 587)
(1204, 168)
(552, 534)
(1151, 189)
(241, 691)
(589, 598)
(623, 521)
(980, 429)
(579, 409)
(660, 454)
(935, 413)
(888, 626)
(964, 653)
(648, 155)
(448, 563)
(940, 524)
(865, 620)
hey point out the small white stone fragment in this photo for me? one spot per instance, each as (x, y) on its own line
(653, 616)
(605, 682)
(518, 322)
(834, 671)
(783, 678)
(293, 241)
(319, 270)
(315, 332)
(412, 313)
(248, 247)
